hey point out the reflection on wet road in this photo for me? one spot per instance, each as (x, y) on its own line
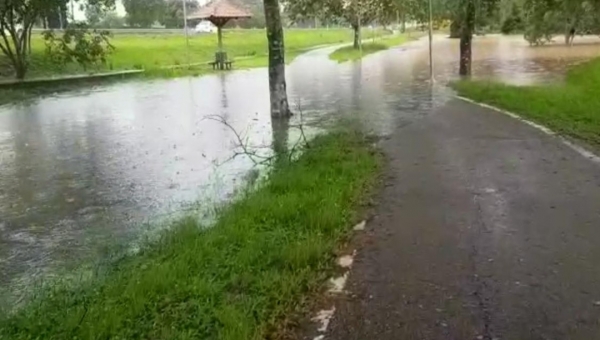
(82, 171)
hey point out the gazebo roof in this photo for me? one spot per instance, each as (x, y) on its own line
(219, 9)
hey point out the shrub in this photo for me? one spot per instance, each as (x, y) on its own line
(78, 44)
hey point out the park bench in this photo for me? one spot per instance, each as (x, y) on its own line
(221, 62)
(221, 65)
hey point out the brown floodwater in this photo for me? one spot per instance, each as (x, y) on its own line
(89, 171)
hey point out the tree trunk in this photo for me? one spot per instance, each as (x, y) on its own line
(20, 69)
(455, 28)
(356, 29)
(570, 36)
(280, 128)
(403, 22)
(29, 40)
(15, 48)
(465, 54)
(466, 39)
(277, 86)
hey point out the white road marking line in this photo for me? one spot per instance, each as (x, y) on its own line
(346, 261)
(324, 317)
(580, 150)
(360, 226)
(337, 284)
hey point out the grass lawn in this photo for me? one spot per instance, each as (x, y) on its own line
(241, 279)
(572, 108)
(154, 52)
(350, 53)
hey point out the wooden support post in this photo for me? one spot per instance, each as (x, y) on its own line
(220, 37)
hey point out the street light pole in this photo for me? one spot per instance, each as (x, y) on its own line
(185, 28)
(360, 46)
(431, 40)
(359, 34)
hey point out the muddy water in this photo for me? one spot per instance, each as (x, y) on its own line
(86, 170)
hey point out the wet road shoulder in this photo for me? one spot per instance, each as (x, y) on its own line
(486, 228)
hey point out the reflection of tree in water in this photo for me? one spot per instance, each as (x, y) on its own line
(26, 142)
(224, 99)
(356, 89)
(18, 190)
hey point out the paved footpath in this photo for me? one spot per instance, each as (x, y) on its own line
(486, 229)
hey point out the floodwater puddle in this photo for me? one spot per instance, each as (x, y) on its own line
(84, 170)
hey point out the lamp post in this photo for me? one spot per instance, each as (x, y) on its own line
(185, 29)
(359, 33)
(431, 40)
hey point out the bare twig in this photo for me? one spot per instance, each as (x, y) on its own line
(253, 152)
(301, 126)
(253, 155)
(302, 138)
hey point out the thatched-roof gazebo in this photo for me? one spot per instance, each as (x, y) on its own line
(219, 12)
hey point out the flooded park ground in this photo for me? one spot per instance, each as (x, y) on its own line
(86, 170)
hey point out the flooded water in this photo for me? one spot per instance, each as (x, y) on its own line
(86, 170)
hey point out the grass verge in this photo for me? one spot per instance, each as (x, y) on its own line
(572, 108)
(241, 279)
(348, 53)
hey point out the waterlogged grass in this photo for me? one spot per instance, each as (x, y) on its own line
(347, 53)
(241, 279)
(572, 108)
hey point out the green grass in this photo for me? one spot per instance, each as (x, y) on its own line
(572, 108)
(154, 52)
(350, 53)
(244, 278)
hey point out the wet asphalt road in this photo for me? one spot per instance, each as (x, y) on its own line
(486, 229)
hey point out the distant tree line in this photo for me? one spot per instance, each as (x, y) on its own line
(466, 16)
(541, 20)
(164, 13)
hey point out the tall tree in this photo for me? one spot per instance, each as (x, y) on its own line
(17, 18)
(112, 20)
(258, 14)
(512, 21)
(173, 12)
(56, 17)
(356, 13)
(466, 15)
(143, 13)
(94, 13)
(277, 85)
(470, 14)
(467, 20)
(545, 18)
